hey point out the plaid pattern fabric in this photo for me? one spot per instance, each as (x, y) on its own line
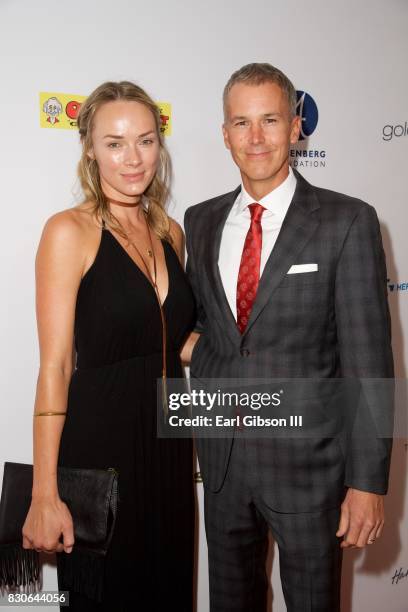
(237, 521)
(330, 323)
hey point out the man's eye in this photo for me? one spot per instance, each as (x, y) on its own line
(271, 120)
(241, 123)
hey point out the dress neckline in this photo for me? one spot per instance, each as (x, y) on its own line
(138, 268)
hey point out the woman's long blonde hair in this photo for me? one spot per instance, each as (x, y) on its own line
(88, 171)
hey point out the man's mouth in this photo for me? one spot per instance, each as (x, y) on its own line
(258, 154)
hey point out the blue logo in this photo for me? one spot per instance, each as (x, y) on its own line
(394, 286)
(306, 108)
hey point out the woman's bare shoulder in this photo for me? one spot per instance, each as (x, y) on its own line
(176, 231)
(177, 235)
(84, 216)
(71, 236)
(72, 223)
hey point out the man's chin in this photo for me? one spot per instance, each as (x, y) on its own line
(260, 176)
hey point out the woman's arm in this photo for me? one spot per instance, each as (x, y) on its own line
(59, 267)
(179, 245)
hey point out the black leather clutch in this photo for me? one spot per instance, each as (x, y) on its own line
(91, 496)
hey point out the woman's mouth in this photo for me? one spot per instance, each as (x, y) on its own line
(133, 177)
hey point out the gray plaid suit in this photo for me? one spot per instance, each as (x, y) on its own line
(326, 324)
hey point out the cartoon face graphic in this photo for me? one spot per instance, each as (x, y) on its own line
(52, 108)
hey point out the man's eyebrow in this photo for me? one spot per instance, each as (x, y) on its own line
(119, 136)
(243, 118)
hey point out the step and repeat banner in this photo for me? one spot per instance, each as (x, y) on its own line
(348, 63)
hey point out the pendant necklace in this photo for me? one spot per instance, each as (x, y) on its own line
(153, 281)
(128, 205)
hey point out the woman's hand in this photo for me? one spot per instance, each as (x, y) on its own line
(188, 346)
(46, 520)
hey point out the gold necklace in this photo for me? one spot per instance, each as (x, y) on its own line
(132, 205)
(163, 319)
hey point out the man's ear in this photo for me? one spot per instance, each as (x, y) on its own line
(225, 134)
(295, 129)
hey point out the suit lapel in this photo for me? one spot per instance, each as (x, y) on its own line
(299, 224)
(219, 216)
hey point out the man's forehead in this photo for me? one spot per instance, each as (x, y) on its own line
(266, 94)
(255, 89)
(254, 105)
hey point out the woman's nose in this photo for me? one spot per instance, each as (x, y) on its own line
(133, 157)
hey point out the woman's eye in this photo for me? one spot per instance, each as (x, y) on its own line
(147, 141)
(113, 145)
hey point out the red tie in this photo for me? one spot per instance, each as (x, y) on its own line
(248, 276)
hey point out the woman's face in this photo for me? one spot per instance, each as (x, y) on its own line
(126, 147)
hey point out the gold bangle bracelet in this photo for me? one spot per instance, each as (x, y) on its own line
(47, 413)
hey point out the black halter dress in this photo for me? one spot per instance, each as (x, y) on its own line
(111, 422)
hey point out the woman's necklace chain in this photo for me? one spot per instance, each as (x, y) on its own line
(151, 254)
(153, 281)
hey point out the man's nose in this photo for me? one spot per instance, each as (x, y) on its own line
(256, 134)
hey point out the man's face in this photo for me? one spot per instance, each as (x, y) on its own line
(259, 130)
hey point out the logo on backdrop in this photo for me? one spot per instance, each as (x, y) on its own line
(60, 111)
(165, 116)
(300, 155)
(306, 108)
(394, 131)
(394, 287)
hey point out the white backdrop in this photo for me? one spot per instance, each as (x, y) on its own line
(350, 56)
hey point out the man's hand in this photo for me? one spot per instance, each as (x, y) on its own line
(361, 520)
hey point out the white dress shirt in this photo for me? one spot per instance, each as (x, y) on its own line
(236, 228)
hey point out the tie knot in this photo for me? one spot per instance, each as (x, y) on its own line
(256, 211)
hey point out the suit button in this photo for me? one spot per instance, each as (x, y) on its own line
(244, 352)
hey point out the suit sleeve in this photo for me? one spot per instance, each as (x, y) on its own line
(192, 274)
(364, 344)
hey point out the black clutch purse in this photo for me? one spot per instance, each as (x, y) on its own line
(91, 496)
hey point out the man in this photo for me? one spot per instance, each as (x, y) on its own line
(290, 282)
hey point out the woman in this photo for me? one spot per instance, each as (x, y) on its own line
(102, 270)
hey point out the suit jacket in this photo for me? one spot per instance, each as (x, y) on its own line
(318, 325)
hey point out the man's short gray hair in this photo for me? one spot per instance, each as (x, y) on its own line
(257, 74)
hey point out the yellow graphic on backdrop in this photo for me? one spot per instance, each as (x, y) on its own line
(165, 115)
(60, 111)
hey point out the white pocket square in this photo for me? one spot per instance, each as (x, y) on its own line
(300, 268)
